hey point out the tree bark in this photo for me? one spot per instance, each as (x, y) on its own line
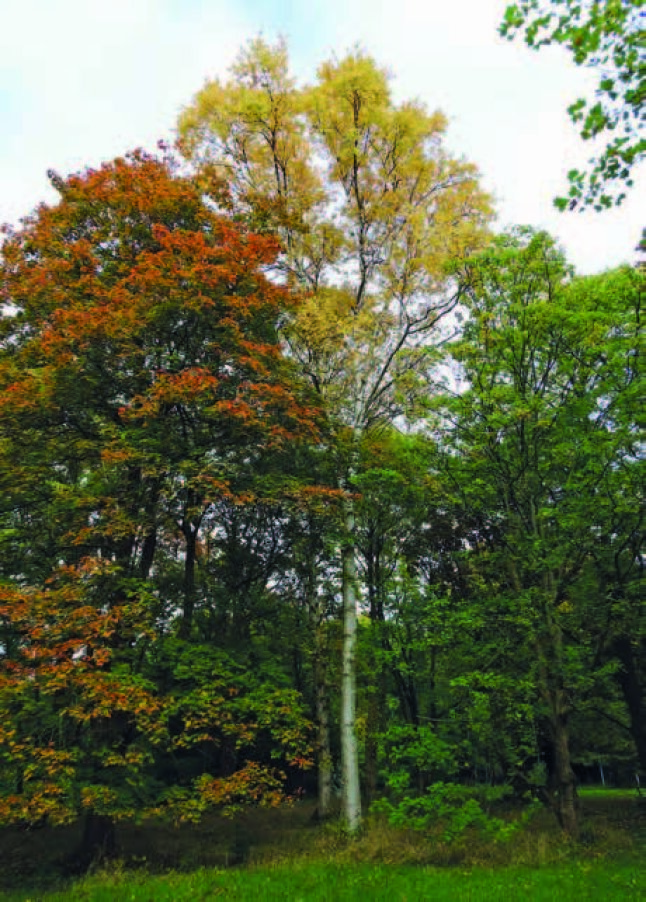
(349, 745)
(633, 692)
(316, 607)
(378, 694)
(148, 554)
(98, 841)
(566, 802)
(186, 624)
(324, 751)
(554, 696)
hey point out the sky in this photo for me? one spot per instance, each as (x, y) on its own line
(83, 81)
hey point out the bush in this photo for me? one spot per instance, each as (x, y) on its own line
(456, 807)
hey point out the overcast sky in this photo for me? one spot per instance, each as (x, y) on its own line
(82, 81)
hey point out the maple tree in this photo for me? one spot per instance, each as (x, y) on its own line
(141, 382)
(370, 209)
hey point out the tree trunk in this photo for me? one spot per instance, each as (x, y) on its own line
(98, 842)
(378, 691)
(349, 745)
(566, 802)
(324, 751)
(633, 693)
(148, 554)
(376, 726)
(317, 609)
(553, 692)
(186, 625)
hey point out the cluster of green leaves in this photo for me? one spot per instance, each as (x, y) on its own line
(456, 807)
(606, 35)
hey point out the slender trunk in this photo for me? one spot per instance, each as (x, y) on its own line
(324, 747)
(374, 727)
(432, 708)
(190, 534)
(148, 554)
(349, 745)
(316, 607)
(633, 692)
(559, 722)
(378, 692)
(324, 756)
(554, 692)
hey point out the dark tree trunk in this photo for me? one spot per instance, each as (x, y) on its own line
(98, 842)
(563, 796)
(565, 781)
(186, 625)
(378, 693)
(324, 751)
(148, 554)
(633, 692)
(376, 726)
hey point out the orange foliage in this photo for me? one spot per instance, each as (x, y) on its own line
(143, 343)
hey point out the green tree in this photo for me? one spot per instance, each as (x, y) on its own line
(541, 429)
(606, 35)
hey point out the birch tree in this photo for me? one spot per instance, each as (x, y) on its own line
(370, 209)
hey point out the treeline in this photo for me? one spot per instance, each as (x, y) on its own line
(308, 478)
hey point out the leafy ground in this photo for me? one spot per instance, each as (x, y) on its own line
(286, 856)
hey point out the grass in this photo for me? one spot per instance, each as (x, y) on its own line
(317, 881)
(605, 792)
(287, 857)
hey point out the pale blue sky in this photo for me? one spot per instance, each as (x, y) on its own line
(84, 80)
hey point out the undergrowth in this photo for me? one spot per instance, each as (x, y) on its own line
(288, 841)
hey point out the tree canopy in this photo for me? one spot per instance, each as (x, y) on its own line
(309, 480)
(142, 386)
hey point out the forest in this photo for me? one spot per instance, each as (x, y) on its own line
(315, 489)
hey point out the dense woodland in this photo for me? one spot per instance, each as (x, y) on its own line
(310, 483)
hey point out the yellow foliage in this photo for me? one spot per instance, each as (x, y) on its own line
(372, 212)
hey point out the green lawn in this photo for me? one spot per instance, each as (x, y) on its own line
(604, 792)
(599, 880)
(290, 859)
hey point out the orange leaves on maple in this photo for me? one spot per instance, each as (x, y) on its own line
(145, 379)
(170, 390)
(252, 782)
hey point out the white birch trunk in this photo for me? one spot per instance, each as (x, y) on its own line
(349, 745)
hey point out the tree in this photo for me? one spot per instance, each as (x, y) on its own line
(543, 428)
(141, 378)
(369, 208)
(605, 35)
